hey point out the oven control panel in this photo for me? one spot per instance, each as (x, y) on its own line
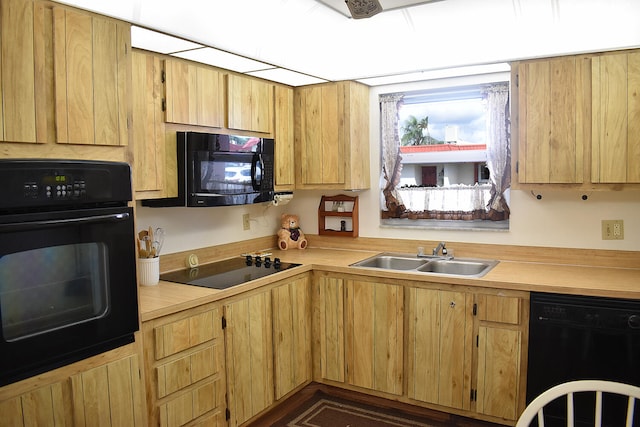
(47, 183)
(56, 187)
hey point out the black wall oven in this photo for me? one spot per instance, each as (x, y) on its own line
(67, 263)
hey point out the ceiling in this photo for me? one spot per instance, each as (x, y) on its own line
(308, 41)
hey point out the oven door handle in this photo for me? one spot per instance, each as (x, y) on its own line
(23, 226)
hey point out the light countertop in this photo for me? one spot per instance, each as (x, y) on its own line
(166, 297)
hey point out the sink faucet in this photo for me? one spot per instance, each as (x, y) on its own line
(441, 246)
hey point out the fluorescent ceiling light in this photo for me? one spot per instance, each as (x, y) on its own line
(438, 74)
(154, 41)
(222, 59)
(287, 77)
(344, 7)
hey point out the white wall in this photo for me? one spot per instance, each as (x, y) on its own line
(193, 228)
(561, 219)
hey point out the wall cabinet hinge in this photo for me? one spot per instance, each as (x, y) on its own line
(163, 76)
(475, 309)
(164, 104)
(227, 414)
(517, 80)
(224, 323)
(477, 340)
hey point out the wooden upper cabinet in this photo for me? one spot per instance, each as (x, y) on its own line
(616, 118)
(92, 66)
(194, 94)
(284, 140)
(26, 73)
(554, 121)
(148, 123)
(249, 104)
(332, 136)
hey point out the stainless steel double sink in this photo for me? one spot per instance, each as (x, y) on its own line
(436, 265)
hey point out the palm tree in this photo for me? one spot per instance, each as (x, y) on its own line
(414, 131)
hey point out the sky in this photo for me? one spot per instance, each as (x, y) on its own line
(468, 114)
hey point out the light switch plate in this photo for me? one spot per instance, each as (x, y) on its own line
(612, 229)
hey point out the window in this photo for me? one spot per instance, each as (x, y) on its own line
(446, 157)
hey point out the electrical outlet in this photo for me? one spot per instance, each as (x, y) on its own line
(246, 225)
(612, 229)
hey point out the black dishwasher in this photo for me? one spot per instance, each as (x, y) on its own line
(579, 337)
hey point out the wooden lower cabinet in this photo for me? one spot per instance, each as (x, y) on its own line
(374, 335)
(501, 343)
(185, 377)
(439, 347)
(110, 394)
(249, 356)
(328, 328)
(452, 348)
(291, 308)
(268, 346)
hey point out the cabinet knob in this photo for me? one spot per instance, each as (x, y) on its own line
(452, 304)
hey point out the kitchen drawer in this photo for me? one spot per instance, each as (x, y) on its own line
(183, 334)
(193, 404)
(181, 373)
(500, 309)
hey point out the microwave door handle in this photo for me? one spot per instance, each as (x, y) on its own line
(23, 226)
(255, 182)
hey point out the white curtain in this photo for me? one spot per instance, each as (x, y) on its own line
(391, 159)
(453, 198)
(498, 147)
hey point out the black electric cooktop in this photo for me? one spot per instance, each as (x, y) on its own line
(227, 273)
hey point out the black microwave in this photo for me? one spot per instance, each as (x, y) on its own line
(221, 170)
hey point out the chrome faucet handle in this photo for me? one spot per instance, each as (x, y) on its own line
(440, 246)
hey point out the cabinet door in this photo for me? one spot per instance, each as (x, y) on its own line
(498, 371)
(109, 395)
(26, 73)
(249, 356)
(250, 104)
(92, 84)
(439, 347)
(148, 126)
(195, 94)
(374, 335)
(319, 135)
(44, 406)
(499, 342)
(328, 303)
(552, 120)
(284, 150)
(291, 335)
(616, 118)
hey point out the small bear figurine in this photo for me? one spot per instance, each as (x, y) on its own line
(290, 235)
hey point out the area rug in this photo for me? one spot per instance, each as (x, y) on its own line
(326, 411)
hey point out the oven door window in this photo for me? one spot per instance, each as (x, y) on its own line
(227, 173)
(49, 288)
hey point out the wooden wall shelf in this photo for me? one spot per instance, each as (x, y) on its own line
(338, 216)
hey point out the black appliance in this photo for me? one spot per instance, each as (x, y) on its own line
(227, 273)
(67, 263)
(581, 337)
(221, 170)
